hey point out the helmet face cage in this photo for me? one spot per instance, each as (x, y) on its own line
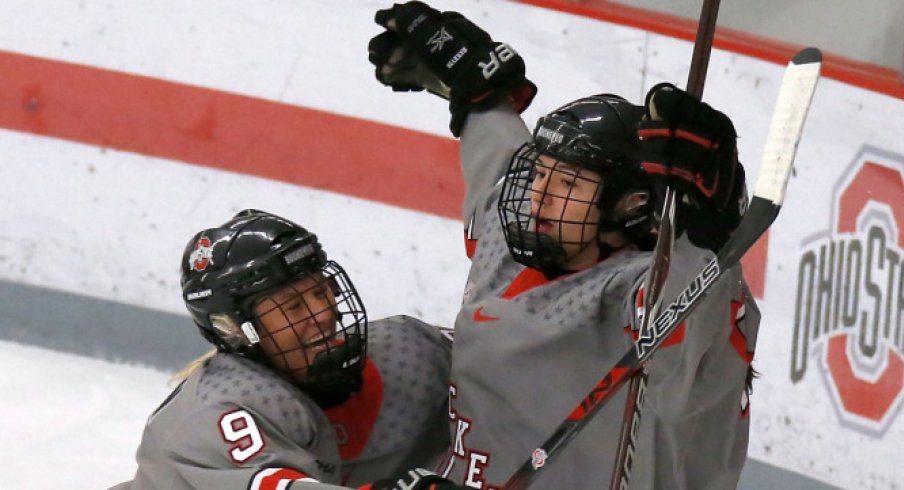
(568, 184)
(240, 283)
(314, 328)
(549, 209)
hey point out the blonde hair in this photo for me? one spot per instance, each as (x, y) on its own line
(191, 367)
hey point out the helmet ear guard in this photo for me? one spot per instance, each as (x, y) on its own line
(236, 336)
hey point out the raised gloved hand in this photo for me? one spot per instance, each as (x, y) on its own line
(446, 54)
(416, 479)
(687, 144)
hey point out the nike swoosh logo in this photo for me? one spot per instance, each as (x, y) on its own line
(480, 317)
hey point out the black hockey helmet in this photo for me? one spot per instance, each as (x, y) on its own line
(227, 269)
(597, 133)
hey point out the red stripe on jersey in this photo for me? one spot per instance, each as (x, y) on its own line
(277, 478)
(738, 339)
(525, 281)
(470, 246)
(354, 420)
(675, 338)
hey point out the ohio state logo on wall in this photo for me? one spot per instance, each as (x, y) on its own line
(849, 313)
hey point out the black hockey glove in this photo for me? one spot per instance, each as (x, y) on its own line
(416, 479)
(687, 144)
(446, 54)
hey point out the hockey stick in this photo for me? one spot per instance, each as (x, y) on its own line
(662, 257)
(659, 269)
(795, 94)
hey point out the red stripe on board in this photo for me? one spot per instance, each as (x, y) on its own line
(237, 133)
(231, 132)
(857, 73)
(754, 265)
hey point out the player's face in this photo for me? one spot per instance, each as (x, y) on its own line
(296, 323)
(563, 204)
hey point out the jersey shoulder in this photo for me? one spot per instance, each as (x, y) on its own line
(237, 416)
(234, 380)
(233, 388)
(407, 385)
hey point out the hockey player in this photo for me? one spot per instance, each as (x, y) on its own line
(560, 223)
(300, 391)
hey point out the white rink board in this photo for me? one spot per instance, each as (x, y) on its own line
(113, 225)
(89, 221)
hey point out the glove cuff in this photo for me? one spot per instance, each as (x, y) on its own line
(518, 97)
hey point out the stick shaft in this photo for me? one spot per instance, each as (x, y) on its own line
(703, 46)
(662, 253)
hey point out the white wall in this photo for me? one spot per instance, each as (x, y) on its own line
(869, 31)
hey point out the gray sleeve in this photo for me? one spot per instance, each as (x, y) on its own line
(488, 141)
(235, 424)
(412, 427)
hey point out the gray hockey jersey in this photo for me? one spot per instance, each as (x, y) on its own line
(234, 424)
(528, 349)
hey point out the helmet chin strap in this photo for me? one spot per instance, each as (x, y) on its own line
(547, 255)
(538, 251)
(334, 377)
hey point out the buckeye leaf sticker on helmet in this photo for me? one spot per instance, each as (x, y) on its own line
(201, 257)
